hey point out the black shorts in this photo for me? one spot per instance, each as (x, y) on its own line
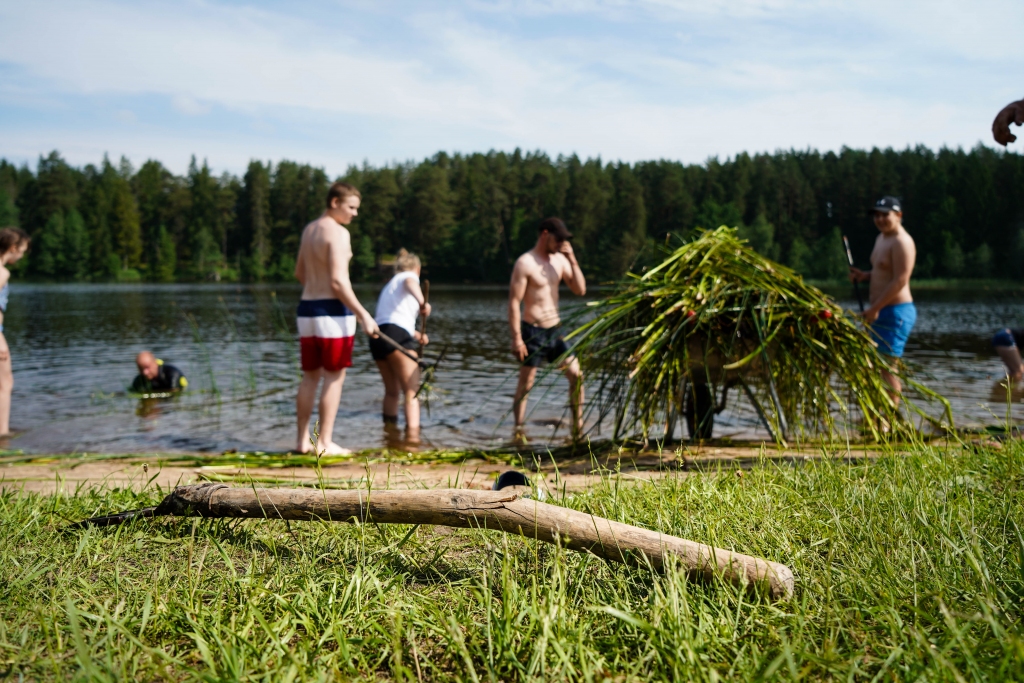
(380, 349)
(542, 343)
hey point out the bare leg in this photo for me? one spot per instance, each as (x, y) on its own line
(304, 408)
(1012, 361)
(407, 372)
(6, 387)
(330, 397)
(894, 382)
(526, 376)
(392, 388)
(575, 376)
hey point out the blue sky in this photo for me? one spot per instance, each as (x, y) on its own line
(336, 83)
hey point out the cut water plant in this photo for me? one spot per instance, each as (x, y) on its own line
(714, 315)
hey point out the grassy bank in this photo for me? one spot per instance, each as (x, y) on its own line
(908, 567)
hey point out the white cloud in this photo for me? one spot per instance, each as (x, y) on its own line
(189, 106)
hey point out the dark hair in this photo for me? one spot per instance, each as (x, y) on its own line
(12, 237)
(341, 191)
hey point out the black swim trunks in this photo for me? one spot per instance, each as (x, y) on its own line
(168, 378)
(380, 349)
(542, 343)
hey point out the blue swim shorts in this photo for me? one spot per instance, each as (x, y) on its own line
(1004, 337)
(893, 326)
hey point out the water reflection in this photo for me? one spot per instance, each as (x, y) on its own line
(73, 348)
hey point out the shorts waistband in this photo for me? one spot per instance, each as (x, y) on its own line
(523, 325)
(314, 308)
(899, 307)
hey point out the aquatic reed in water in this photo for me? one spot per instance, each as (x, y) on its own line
(716, 314)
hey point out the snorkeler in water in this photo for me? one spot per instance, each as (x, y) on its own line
(155, 376)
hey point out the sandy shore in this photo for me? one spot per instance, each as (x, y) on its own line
(70, 473)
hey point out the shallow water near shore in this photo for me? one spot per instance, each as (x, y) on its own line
(73, 348)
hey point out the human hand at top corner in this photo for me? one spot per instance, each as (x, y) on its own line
(1011, 113)
(425, 309)
(870, 316)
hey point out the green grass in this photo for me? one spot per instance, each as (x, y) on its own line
(908, 568)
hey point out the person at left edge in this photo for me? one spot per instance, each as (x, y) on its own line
(155, 376)
(14, 242)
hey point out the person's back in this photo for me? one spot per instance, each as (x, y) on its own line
(396, 304)
(323, 241)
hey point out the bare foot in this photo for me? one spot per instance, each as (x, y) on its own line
(332, 449)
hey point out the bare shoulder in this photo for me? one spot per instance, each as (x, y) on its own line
(905, 240)
(525, 263)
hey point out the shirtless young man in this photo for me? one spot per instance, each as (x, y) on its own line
(892, 314)
(536, 335)
(327, 315)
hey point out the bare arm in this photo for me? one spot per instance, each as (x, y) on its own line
(338, 256)
(516, 292)
(412, 286)
(5, 276)
(903, 256)
(573, 276)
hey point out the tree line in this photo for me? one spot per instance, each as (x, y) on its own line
(469, 216)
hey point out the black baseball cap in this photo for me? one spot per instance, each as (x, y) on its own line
(556, 227)
(886, 204)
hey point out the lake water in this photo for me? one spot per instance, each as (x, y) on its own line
(74, 345)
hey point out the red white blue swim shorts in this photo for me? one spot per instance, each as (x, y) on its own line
(327, 332)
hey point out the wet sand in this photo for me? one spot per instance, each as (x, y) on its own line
(68, 474)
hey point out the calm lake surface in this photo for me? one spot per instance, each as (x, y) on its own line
(74, 345)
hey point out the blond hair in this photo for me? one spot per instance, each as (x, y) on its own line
(406, 261)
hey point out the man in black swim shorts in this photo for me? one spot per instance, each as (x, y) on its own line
(536, 331)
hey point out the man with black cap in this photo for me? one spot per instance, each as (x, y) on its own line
(536, 332)
(891, 315)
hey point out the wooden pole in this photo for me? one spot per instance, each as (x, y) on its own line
(497, 510)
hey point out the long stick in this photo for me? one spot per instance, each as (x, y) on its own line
(423, 318)
(856, 284)
(496, 510)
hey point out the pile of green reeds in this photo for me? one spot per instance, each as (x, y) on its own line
(717, 313)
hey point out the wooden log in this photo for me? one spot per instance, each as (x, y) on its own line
(497, 510)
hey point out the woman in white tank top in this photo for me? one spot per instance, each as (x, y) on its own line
(400, 303)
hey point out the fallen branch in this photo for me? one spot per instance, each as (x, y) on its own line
(463, 508)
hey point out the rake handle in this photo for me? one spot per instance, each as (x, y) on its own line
(423, 317)
(856, 284)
